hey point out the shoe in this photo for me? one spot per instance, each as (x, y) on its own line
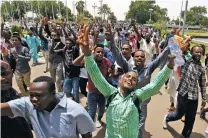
(164, 123)
(98, 123)
(183, 119)
(172, 108)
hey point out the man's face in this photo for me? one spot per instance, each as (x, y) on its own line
(6, 76)
(69, 44)
(139, 58)
(15, 41)
(53, 35)
(99, 54)
(40, 97)
(126, 51)
(197, 53)
(129, 81)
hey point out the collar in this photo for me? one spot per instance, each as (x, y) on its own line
(63, 100)
(135, 67)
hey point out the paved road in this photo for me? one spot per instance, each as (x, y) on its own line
(156, 111)
(201, 40)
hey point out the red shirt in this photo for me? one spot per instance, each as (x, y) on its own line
(104, 67)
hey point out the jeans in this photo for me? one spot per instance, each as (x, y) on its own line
(142, 117)
(82, 86)
(69, 84)
(95, 100)
(187, 107)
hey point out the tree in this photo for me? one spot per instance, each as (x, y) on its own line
(17, 9)
(105, 10)
(140, 11)
(112, 17)
(80, 6)
(196, 16)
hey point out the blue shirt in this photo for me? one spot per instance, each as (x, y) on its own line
(67, 119)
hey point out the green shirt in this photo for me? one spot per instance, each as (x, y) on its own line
(122, 116)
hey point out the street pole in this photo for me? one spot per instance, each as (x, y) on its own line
(32, 11)
(101, 5)
(67, 16)
(59, 7)
(94, 6)
(180, 14)
(52, 11)
(184, 18)
(38, 8)
(46, 10)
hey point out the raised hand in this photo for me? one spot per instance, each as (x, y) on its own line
(83, 40)
(171, 62)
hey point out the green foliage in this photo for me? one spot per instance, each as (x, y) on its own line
(80, 6)
(104, 10)
(112, 17)
(17, 9)
(196, 16)
(141, 10)
(162, 25)
(15, 28)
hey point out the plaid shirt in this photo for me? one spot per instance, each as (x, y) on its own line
(192, 78)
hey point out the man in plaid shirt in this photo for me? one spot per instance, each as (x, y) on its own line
(192, 81)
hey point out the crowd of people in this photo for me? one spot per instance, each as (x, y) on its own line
(110, 64)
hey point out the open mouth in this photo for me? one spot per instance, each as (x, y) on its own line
(129, 83)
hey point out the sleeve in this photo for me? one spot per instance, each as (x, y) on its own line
(153, 87)
(18, 107)
(97, 78)
(85, 123)
(120, 60)
(202, 85)
(161, 58)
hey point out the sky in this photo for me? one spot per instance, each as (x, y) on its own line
(120, 7)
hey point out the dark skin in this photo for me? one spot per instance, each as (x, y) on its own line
(139, 59)
(129, 81)
(126, 51)
(196, 55)
(41, 99)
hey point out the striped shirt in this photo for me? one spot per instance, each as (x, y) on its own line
(122, 117)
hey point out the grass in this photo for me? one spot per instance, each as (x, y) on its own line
(196, 33)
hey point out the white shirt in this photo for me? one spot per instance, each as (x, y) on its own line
(130, 62)
(149, 49)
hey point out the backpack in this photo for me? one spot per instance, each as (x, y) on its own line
(134, 98)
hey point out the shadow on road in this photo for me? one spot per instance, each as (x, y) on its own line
(147, 134)
(175, 134)
(101, 132)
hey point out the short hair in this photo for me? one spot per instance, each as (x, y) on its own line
(140, 51)
(49, 80)
(201, 46)
(71, 40)
(121, 76)
(98, 45)
(127, 45)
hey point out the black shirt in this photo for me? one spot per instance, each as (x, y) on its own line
(13, 127)
(68, 56)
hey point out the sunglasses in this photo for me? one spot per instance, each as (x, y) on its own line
(53, 35)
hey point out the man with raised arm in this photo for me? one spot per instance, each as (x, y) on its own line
(122, 116)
